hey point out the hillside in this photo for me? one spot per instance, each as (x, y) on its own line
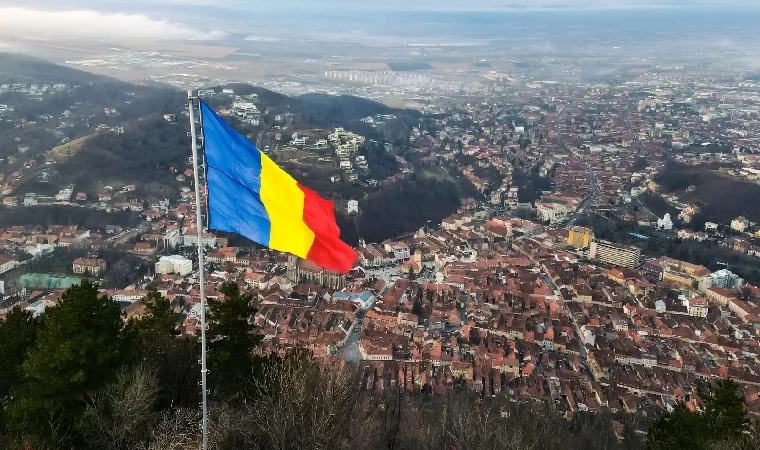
(92, 132)
(15, 68)
(143, 155)
(721, 197)
(328, 111)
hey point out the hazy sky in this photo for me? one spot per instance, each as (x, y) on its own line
(315, 5)
(185, 19)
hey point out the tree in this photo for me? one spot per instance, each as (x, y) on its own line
(173, 358)
(121, 415)
(460, 384)
(724, 419)
(417, 308)
(304, 403)
(231, 344)
(79, 349)
(474, 337)
(18, 333)
(725, 415)
(158, 317)
(679, 430)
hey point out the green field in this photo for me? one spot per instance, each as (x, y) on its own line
(46, 281)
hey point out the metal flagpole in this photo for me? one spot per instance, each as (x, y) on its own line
(203, 154)
(198, 223)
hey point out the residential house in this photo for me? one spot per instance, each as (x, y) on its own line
(92, 266)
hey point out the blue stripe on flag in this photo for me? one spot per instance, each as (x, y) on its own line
(233, 176)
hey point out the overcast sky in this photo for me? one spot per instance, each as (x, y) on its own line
(458, 5)
(179, 19)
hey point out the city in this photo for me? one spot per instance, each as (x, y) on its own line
(523, 233)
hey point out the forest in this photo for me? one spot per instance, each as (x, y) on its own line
(402, 207)
(712, 191)
(84, 377)
(65, 215)
(142, 155)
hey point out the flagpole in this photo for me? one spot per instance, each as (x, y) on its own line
(198, 223)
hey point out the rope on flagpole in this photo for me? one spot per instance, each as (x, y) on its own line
(201, 275)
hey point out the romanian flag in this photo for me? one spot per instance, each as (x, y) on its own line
(250, 195)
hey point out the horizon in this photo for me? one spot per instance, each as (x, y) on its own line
(199, 20)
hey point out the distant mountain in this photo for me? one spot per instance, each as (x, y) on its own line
(324, 110)
(21, 68)
(341, 108)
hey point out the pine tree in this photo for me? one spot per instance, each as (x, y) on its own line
(724, 419)
(232, 364)
(679, 430)
(174, 359)
(417, 308)
(18, 332)
(158, 318)
(78, 350)
(724, 412)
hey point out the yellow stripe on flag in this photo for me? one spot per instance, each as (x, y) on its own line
(283, 200)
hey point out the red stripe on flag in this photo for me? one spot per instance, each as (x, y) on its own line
(328, 250)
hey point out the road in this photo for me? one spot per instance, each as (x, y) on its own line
(635, 138)
(126, 235)
(350, 350)
(590, 175)
(641, 151)
(582, 348)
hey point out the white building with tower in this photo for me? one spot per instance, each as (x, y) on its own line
(353, 207)
(665, 223)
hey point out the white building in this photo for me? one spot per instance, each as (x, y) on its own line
(30, 199)
(345, 165)
(551, 212)
(665, 223)
(615, 254)
(126, 295)
(365, 300)
(190, 239)
(39, 249)
(740, 224)
(172, 239)
(711, 226)
(400, 250)
(353, 207)
(37, 308)
(7, 263)
(64, 195)
(724, 279)
(174, 264)
(697, 306)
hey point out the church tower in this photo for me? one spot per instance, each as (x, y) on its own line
(293, 269)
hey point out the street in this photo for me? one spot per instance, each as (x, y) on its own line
(590, 175)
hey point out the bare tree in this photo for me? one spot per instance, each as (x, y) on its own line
(391, 407)
(119, 416)
(303, 403)
(177, 429)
